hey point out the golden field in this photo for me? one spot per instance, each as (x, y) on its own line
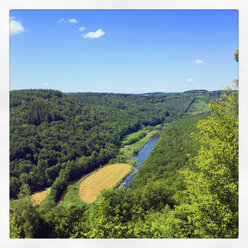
(105, 178)
(38, 197)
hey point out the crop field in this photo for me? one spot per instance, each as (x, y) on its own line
(38, 197)
(105, 178)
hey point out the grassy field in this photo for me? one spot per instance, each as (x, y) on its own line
(35, 198)
(129, 151)
(105, 178)
(72, 198)
(38, 197)
(198, 107)
(134, 137)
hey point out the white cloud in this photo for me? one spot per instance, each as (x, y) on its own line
(15, 27)
(199, 61)
(73, 20)
(190, 79)
(46, 84)
(81, 29)
(94, 35)
(61, 20)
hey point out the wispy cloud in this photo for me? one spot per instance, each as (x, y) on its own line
(199, 61)
(73, 20)
(190, 80)
(46, 84)
(61, 20)
(15, 27)
(93, 35)
(81, 29)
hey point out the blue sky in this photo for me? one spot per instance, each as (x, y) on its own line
(123, 51)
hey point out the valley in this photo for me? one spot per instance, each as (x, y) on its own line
(75, 155)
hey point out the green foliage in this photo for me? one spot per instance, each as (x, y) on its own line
(14, 229)
(210, 206)
(61, 221)
(134, 137)
(119, 214)
(132, 162)
(72, 197)
(169, 154)
(25, 220)
(236, 55)
(24, 191)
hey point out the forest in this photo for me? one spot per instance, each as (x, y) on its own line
(187, 187)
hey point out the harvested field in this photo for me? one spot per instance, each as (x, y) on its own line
(38, 197)
(105, 178)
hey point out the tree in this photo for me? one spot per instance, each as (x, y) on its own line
(63, 221)
(14, 186)
(210, 206)
(24, 191)
(236, 55)
(25, 220)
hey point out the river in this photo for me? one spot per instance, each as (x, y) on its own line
(140, 158)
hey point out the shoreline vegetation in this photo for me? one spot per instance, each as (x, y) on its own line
(126, 152)
(131, 149)
(134, 143)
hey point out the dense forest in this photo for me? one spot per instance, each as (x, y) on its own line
(58, 137)
(187, 187)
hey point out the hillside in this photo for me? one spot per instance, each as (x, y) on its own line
(56, 135)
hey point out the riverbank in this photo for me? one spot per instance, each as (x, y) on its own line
(140, 158)
(71, 196)
(129, 151)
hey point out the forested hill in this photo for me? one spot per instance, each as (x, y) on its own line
(177, 104)
(55, 137)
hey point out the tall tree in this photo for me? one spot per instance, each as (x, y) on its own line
(210, 206)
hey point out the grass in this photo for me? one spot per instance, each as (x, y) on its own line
(198, 107)
(48, 202)
(129, 151)
(72, 197)
(134, 137)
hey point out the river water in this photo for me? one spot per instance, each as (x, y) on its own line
(140, 158)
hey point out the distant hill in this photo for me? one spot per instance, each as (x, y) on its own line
(178, 104)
